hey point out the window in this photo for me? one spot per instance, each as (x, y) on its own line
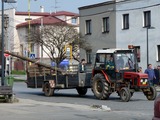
(126, 21)
(147, 18)
(74, 20)
(89, 55)
(105, 24)
(21, 49)
(32, 47)
(88, 27)
(158, 49)
(137, 51)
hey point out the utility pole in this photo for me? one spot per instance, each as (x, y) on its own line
(4, 88)
(42, 39)
(2, 47)
(7, 43)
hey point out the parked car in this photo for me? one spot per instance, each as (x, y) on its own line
(157, 108)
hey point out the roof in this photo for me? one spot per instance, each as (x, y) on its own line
(97, 5)
(59, 13)
(33, 13)
(112, 50)
(64, 13)
(46, 21)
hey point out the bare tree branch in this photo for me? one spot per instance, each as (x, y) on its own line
(54, 38)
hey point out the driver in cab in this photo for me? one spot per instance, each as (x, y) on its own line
(110, 63)
(120, 63)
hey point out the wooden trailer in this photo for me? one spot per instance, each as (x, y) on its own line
(40, 75)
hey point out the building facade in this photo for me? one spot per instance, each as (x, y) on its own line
(17, 30)
(119, 23)
(39, 19)
(44, 20)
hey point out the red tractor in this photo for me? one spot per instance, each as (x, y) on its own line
(115, 70)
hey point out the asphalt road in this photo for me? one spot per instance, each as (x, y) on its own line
(68, 105)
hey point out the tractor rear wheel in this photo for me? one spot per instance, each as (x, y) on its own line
(100, 87)
(151, 94)
(81, 90)
(131, 93)
(125, 94)
(48, 91)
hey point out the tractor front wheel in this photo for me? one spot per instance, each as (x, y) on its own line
(151, 93)
(125, 94)
(100, 87)
(48, 91)
(81, 90)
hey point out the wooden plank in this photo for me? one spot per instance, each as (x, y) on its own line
(35, 71)
(40, 71)
(5, 90)
(32, 61)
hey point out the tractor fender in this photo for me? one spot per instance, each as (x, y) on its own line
(106, 76)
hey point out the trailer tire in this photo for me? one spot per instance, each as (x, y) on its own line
(151, 94)
(100, 87)
(48, 91)
(125, 94)
(81, 90)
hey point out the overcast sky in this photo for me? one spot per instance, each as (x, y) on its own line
(49, 5)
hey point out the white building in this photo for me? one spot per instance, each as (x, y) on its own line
(119, 23)
(40, 19)
(17, 30)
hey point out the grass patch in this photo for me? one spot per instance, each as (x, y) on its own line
(18, 80)
(18, 72)
(12, 80)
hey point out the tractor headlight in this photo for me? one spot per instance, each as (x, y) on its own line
(144, 81)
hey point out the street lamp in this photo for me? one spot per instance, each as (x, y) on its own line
(2, 42)
(148, 27)
(28, 20)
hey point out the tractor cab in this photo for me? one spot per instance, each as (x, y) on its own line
(114, 62)
(124, 60)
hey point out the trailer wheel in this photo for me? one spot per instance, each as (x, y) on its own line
(100, 87)
(151, 94)
(125, 94)
(48, 91)
(81, 90)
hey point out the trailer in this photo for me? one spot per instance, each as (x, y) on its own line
(40, 75)
(51, 79)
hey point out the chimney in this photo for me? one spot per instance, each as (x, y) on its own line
(42, 8)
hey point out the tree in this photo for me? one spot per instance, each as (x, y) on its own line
(54, 38)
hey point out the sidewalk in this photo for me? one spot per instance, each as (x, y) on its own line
(158, 88)
(20, 77)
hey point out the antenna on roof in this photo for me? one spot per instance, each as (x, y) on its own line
(55, 7)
